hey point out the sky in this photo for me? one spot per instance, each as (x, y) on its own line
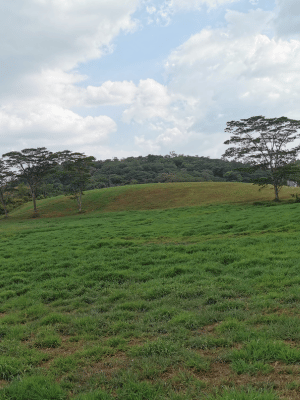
(120, 78)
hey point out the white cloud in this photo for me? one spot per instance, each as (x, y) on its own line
(60, 34)
(287, 21)
(235, 71)
(216, 76)
(53, 125)
(177, 5)
(169, 7)
(162, 12)
(147, 146)
(42, 41)
(150, 10)
(111, 93)
(170, 138)
(162, 114)
(59, 87)
(152, 100)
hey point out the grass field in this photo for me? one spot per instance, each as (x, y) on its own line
(155, 196)
(152, 293)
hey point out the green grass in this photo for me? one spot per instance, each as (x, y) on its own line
(154, 196)
(198, 302)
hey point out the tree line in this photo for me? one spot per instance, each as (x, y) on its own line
(33, 174)
(261, 153)
(34, 166)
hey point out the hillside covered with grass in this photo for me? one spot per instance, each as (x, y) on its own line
(171, 291)
(154, 196)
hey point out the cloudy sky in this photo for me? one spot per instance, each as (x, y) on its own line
(119, 78)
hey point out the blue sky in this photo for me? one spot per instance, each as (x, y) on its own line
(118, 78)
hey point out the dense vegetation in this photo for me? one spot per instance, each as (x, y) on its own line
(169, 168)
(137, 170)
(195, 302)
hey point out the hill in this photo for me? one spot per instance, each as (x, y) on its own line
(154, 196)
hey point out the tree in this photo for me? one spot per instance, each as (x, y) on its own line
(264, 144)
(76, 174)
(233, 176)
(5, 177)
(32, 165)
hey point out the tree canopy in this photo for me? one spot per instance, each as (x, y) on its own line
(76, 174)
(32, 165)
(264, 144)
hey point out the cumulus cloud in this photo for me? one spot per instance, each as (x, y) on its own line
(220, 74)
(234, 71)
(59, 87)
(53, 125)
(162, 113)
(152, 100)
(216, 75)
(170, 137)
(177, 5)
(60, 34)
(163, 11)
(111, 93)
(43, 41)
(287, 21)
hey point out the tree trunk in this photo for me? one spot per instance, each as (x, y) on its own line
(34, 201)
(276, 193)
(79, 202)
(3, 203)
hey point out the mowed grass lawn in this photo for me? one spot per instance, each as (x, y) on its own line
(194, 302)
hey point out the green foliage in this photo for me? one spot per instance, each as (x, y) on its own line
(264, 144)
(32, 165)
(76, 174)
(174, 168)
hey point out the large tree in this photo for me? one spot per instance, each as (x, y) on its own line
(32, 165)
(75, 174)
(265, 144)
(5, 177)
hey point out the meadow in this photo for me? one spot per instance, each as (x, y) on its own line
(167, 291)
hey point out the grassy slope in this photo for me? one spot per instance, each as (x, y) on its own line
(154, 304)
(154, 196)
